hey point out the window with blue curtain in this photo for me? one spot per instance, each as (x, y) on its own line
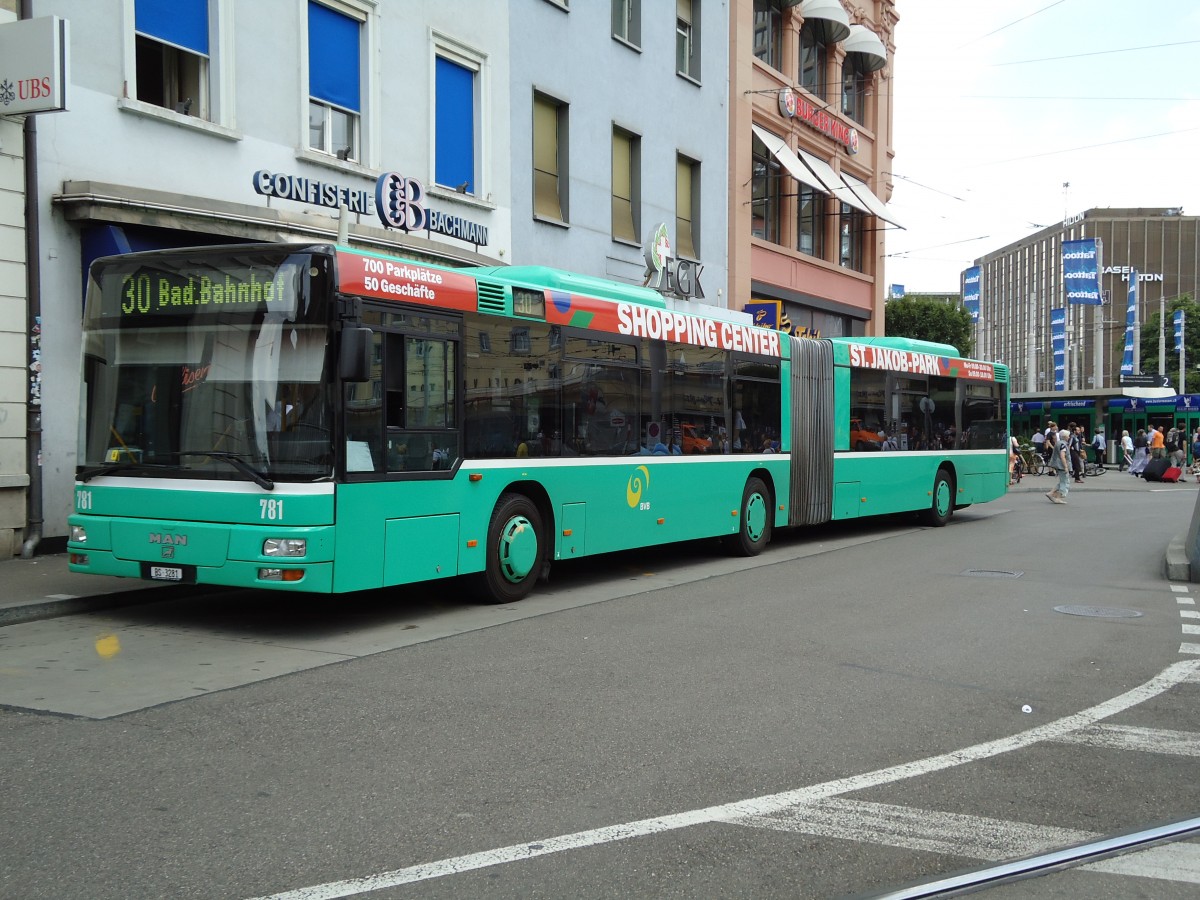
(333, 57)
(454, 122)
(183, 23)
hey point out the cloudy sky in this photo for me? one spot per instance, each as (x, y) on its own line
(999, 105)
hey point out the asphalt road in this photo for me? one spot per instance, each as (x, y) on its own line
(862, 707)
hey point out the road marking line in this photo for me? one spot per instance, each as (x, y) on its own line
(977, 837)
(1189, 614)
(1185, 600)
(1142, 740)
(1191, 629)
(1190, 648)
(1169, 862)
(1174, 674)
(1179, 588)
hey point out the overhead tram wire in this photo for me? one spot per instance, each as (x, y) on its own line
(1021, 62)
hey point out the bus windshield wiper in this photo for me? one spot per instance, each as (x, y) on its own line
(86, 475)
(238, 463)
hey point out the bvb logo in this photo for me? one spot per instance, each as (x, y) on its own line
(400, 202)
(637, 481)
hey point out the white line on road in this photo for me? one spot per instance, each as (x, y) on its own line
(1174, 674)
(1185, 600)
(976, 837)
(1143, 740)
(1171, 862)
(1189, 614)
(1179, 588)
(1190, 648)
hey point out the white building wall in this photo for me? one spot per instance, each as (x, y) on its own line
(262, 103)
(14, 341)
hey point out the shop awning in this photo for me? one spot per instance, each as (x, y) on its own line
(866, 43)
(867, 196)
(828, 18)
(832, 181)
(788, 159)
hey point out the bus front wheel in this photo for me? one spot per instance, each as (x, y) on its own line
(942, 505)
(754, 520)
(515, 547)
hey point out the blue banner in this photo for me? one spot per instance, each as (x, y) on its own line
(971, 292)
(897, 291)
(1026, 406)
(1080, 276)
(1072, 404)
(1058, 340)
(1178, 330)
(1130, 320)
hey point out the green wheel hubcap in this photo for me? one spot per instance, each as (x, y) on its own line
(756, 516)
(942, 497)
(518, 549)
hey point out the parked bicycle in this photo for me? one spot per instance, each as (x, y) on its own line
(1093, 468)
(1029, 462)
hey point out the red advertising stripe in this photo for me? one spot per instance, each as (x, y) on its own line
(403, 282)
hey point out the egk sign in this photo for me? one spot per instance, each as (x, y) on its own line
(669, 276)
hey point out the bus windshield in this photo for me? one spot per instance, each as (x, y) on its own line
(212, 368)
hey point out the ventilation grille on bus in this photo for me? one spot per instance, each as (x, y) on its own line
(491, 298)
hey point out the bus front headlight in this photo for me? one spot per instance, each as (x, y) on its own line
(285, 547)
(78, 534)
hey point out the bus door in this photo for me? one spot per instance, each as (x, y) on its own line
(405, 418)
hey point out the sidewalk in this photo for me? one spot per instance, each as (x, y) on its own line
(43, 587)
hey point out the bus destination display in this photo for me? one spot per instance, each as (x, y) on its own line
(157, 292)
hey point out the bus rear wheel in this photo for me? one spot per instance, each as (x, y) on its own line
(515, 550)
(754, 520)
(942, 505)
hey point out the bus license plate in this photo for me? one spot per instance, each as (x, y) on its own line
(166, 573)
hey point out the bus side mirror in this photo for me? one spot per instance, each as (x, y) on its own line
(355, 356)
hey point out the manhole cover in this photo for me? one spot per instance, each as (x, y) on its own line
(991, 573)
(1104, 612)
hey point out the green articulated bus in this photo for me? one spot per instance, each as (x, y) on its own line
(315, 418)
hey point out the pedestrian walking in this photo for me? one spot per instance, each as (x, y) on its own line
(1158, 443)
(1075, 448)
(1126, 452)
(1141, 453)
(1060, 462)
(1100, 445)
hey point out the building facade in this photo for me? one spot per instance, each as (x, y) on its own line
(810, 162)
(1021, 287)
(565, 141)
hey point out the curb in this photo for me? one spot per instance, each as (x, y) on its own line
(1177, 566)
(36, 610)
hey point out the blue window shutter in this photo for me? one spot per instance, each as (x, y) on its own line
(183, 23)
(333, 54)
(455, 125)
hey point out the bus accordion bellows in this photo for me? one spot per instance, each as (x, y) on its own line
(320, 419)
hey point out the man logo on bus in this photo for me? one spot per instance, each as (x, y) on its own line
(399, 202)
(633, 490)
